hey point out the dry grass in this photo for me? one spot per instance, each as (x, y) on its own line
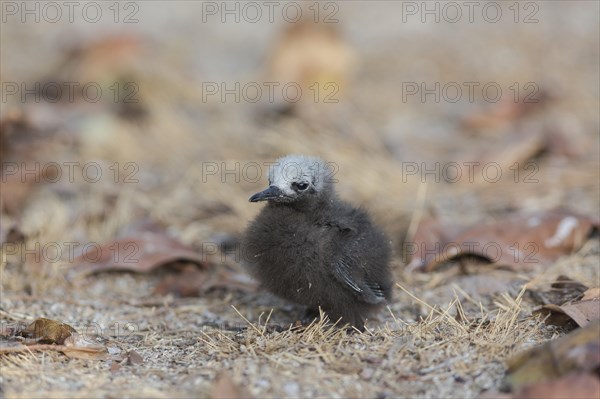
(398, 357)
(440, 337)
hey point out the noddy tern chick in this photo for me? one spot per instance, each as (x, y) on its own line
(311, 248)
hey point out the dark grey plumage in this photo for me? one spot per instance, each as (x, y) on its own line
(309, 247)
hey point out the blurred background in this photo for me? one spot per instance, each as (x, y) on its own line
(156, 94)
(137, 113)
(123, 117)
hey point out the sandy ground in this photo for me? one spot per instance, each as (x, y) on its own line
(418, 347)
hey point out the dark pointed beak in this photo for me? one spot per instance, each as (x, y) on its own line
(270, 193)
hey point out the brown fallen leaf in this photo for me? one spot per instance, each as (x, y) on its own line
(231, 280)
(46, 334)
(519, 241)
(187, 283)
(72, 352)
(141, 253)
(430, 237)
(192, 282)
(46, 331)
(566, 283)
(582, 311)
(563, 290)
(572, 386)
(576, 352)
(569, 301)
(224, 387)
(77, 347)
(525, 240)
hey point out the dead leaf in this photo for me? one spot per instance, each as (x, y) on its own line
(46, 331)
(224, 387)
(231, 280)
(75, 353)
(519, 241)
(193, 282)
(563, 290)
(572, 386)
(141, 253)
(525, 240)
(576, 352)
(77, 347)
(582, 312)
(149, 250)
(187, 283)
(554, 315)
(430, 237)
(46, 334)
(565, 282)
(569, 301)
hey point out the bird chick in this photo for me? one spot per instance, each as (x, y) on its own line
(311, 248)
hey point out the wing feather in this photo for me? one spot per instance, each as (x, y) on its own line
(368, 291)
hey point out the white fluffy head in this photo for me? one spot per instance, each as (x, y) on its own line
(297, 169)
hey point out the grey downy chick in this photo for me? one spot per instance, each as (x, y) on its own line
(311, 248)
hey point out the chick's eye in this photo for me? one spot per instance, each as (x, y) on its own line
(300, 186)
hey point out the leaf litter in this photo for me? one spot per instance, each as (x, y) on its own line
(46, 334)
(147, 251)
(579, 304)
(572, 359)
(426, 345)
(519, 241)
